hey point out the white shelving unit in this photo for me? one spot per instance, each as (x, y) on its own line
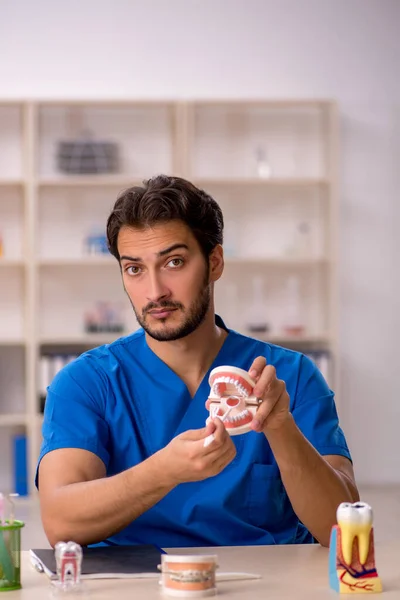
(271, 165)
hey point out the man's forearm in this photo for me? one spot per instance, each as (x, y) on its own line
(88, 512)
(314, 487)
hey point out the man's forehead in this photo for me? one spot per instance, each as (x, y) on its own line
(153, 239)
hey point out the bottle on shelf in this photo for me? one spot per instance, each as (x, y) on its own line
(231, 312)
(300, 245)
(1, 247)
(231, 238)
(95, 242)
(293, 324)
(256, 321)
(262, 163)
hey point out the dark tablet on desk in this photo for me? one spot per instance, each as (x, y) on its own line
(105, 562)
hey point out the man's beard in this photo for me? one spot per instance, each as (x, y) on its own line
(195, 316)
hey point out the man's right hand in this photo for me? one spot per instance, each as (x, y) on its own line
(186, 459)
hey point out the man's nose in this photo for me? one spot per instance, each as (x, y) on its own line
(157, 289)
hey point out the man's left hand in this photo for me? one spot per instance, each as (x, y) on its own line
(275, 402)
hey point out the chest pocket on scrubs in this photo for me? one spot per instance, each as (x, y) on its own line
(266, 500)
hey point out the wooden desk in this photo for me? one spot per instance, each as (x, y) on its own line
(288, 572)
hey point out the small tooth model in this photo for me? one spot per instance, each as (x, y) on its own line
(231, 398)
(351, 551)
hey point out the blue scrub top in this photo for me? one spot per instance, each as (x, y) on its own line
(123, 403)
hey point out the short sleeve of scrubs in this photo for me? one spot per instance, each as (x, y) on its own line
(74, 411)
(315, 412)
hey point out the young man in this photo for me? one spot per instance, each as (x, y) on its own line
(123, 459)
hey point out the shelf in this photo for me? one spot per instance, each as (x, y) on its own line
(82, 340)
(11, 343)
(100, 261)
(125, 181)
(276, 261)
(11, 182)
(79, 262)
(110, 103)
(90, 181)
(11, 262)
(215, 144)
(260, 182)
(269, 103)
(7, 420)
(297, 340)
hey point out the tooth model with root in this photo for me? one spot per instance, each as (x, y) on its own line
(231, 399)
(355, 521)
(351, 554)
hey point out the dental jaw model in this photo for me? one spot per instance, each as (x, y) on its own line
(351, 551)
(231, 399)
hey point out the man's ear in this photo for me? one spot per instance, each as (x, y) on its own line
(216, 262)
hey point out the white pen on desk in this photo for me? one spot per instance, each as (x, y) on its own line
(37, 565)
(210, 438)
(236, 576)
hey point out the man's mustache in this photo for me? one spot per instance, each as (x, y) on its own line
(161, 305)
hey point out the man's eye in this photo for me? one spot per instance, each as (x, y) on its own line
(176, 262)
(132, 270)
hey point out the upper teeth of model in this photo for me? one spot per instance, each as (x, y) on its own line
(230, 381)
(355, 520)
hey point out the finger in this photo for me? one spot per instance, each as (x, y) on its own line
(194, 435)
(257, 367)
(218, 437)
(264, 383)
(267, 407)
(222, 460)
(220, 432)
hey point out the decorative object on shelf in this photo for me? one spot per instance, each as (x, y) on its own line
(49, 365)
(105, 317)
(301, 244)
(256, 321)
(231, 234)
(20, 465)
(230, 310)
(1, 246)
(351, 551)
(231, 399)
(86, 155)
(263, 167)
(293, 323)
(188, 575)
(95, 242)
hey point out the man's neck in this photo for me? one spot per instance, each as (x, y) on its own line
(191, 357)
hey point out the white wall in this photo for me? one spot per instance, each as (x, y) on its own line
(345, 49)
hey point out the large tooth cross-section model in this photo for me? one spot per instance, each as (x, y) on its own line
(351, 551)
(231, 398)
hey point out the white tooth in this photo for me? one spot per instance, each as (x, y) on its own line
(355, 520)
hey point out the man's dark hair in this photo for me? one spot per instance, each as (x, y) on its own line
(161, 199)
